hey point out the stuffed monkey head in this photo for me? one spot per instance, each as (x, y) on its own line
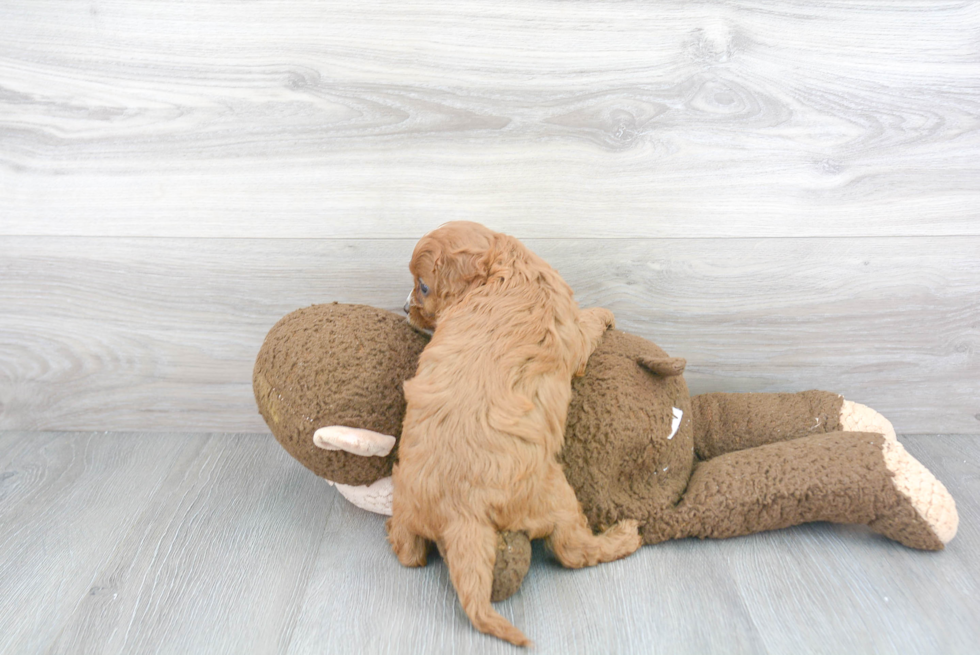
(336, 365)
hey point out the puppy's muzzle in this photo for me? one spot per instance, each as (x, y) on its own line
(409, 303)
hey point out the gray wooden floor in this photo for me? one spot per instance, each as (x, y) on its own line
(215, 543)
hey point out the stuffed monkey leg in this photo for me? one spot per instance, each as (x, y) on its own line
(726, 422)
(842, 477)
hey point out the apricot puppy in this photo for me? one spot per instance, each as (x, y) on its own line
(486, 413)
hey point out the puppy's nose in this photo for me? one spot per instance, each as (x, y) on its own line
(408, 302)
(405, 308)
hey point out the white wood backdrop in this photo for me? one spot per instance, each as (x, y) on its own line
(785, 193)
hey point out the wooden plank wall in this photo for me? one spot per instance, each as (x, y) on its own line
(785, 193)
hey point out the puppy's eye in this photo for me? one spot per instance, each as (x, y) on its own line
(423, 288)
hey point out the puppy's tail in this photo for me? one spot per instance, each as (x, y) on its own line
(469, 549)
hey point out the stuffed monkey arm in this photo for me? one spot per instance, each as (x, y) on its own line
(375, 497)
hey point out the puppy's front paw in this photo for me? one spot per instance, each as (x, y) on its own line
(603, 316)
(610, 320)
(626, 534)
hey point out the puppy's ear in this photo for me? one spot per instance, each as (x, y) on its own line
(469, 267)
(473, 262)
(498, 259)
(429, 256)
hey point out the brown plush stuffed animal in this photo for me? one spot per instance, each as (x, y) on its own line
(328, 381)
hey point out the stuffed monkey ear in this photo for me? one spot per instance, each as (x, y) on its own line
(663, 366)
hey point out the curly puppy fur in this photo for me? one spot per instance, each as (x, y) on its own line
(486, 413)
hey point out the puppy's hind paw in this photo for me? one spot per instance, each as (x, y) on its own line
(624, 537)
(410, 549)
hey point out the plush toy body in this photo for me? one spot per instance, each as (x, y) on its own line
(328, 381)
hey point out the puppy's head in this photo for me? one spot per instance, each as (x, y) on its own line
(447, 263)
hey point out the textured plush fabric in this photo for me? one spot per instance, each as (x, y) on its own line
(619, 455)
(725, 422)
(839, 477)
(511, 565)
(336, 365)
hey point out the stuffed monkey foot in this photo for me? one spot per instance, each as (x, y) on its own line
(927, 518)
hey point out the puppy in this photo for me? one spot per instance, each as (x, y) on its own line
(486, 414)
